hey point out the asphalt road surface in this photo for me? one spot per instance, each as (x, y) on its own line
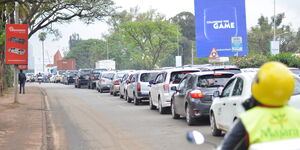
(87, 120)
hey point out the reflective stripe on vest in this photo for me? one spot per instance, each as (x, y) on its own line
(271, 124)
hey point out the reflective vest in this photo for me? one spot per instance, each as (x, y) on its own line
(271, 124)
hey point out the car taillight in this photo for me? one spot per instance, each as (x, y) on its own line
(102, 80)
(117, 82)
(196, 94)
(93, 77)
(138, 87)
(166, 88)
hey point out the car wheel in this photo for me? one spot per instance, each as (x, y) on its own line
(161, 110)
(79, 86)
(189, 120)
(75, 86)
(121, 96)
(214, 130)
(101, 91)
(98, 90)
(115, 94)
(89, 87)
(128, 99)
(174, 114)
(151, 106)
(111, 93)
(136, 101)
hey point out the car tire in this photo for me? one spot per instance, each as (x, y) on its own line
(136, 101)
(100, 90)
(79, 86)
(115, 94)
(75, 86)
(214, 130)
(161, 110)
(151, 106)
(121, 96)
(173, 111)
(128, 99)
(110, 92)
(189, 120)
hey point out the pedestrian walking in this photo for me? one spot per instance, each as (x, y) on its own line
(22, 80)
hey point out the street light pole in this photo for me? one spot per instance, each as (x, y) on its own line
(16, 77)
(43, 57)
(107, 49)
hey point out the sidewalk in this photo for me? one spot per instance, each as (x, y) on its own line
(22, 125)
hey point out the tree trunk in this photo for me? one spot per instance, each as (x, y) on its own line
(1, 70)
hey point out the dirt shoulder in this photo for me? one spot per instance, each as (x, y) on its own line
(22, 126)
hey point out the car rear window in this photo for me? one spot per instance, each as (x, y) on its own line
(216, 80)
(146, 77)
(120, 75)
(108, 75)
(85, 71)
(98, 71)
(178, 75)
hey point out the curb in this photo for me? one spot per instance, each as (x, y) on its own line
(48, 125)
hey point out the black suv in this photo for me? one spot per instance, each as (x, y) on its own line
(82, 77)
(94, 76)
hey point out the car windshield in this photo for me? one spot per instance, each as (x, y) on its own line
(177, 76)
(296, 71)
(216, 80)
(61, 72)
(297, 87)
(146, 77)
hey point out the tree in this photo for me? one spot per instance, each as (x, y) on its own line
(41, 14)
(152, 40)
(186, 21)
(259, 36)
(42, 37)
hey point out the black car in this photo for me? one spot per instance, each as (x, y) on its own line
(193, 96)
(69, 76)
(82, 77)
(94, 76)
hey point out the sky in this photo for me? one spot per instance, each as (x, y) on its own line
(254, 9)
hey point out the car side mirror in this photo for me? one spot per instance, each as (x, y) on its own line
(174, 88)
(216, 94)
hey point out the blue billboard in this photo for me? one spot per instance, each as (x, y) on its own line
(221, 25)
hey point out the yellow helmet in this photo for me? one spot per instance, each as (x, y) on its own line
(274, 84)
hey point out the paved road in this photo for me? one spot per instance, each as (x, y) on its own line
(87, 120)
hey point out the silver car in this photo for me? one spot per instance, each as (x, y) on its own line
(124, 83)
(105, 80)
(138, 88)
(115, 84)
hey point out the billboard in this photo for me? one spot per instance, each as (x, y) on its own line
(16, 51)
(221, 25)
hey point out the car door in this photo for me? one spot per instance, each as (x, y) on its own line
(221, 107)
(155, 89)
(179, 97)
(234, 102)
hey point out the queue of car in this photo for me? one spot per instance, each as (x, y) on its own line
(215, 93)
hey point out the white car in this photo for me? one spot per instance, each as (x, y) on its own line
(227, 107)
(160, 92)
(124, 83)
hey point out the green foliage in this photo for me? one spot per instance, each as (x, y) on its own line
(87, 52)
(253, 61)
(42, 36)
(287, 58)
(8, 76)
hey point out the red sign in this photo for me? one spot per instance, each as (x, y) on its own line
(23, 67)
(16, 44)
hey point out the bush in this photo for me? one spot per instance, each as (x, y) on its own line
(287, 58)
(253, 61)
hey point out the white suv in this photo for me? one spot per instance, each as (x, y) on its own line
(160, 92)
(228, 106)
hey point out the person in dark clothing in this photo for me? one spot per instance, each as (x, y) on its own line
(22, 80)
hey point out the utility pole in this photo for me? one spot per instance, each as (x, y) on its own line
(107, 49)
(274, 19)
(192, 54)
(43, 57)
(16, 78)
